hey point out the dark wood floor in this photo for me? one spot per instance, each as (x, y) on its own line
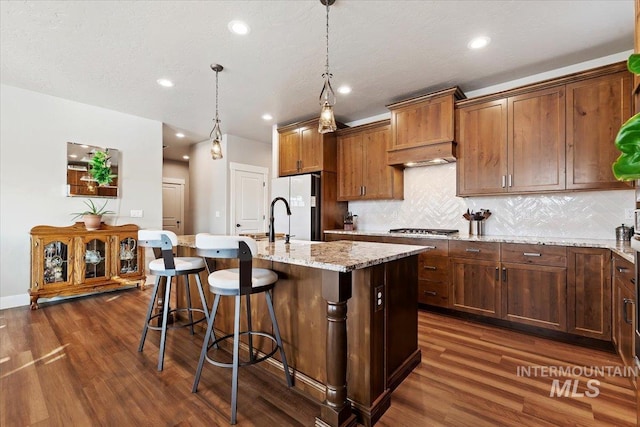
(76, 364)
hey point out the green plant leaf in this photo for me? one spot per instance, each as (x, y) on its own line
(627, 166)
(633, 63)
(100, 169)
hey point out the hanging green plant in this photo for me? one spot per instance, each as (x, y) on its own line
(627, 166)
(100, 167)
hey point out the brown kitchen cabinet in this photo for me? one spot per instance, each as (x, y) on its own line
(596, 108)
(589, 292)
(534, 285)
(551, 136)
(363, 173)
(498, 140)
(624, 301)
(68, 261)
(433, 274)
(302, 149)
(423, 127)
(475, 277)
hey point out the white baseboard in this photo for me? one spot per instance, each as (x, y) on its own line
(14, 301)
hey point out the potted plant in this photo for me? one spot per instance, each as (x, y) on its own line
(92, 217)
(100, 167)
(627, 166)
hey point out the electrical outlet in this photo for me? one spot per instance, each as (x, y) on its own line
(628, 214)
(379, 297)
(136, 213)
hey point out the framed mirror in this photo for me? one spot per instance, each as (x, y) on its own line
(92, 171)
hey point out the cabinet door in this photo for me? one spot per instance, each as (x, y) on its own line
(535, 295)
(51, 262)
(310, 150)
(94, 253)
(625, 323)
(596, 108)
(378, 177)
(127, 255)
(536, 141)
(350, 167)
(481, 133)
(288, 152)
(475, 286)
(589, 292)
(426, 122)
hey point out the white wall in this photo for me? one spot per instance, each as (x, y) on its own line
(210, 179)
(180, 170)
(34, 130)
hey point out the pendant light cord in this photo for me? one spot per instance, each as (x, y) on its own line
(217, 97)
(327, 64)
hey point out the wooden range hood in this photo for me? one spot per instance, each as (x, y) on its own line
(422, 129)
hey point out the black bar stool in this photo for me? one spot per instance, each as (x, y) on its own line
(237, 282)
(169, 266)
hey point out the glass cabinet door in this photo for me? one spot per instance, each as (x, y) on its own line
(56, 268)
(95, 259)
(128, 255)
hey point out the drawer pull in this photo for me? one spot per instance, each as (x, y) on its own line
(472, 250)
(432, 293)
(430, 267)
(497, 273)
(504, 275)
(622, 270)
(531, 254)
(624, 310)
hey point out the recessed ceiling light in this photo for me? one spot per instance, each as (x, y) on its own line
(84, 146)
(165, 82)
(239, 27)
(267, 117)
(344, 89)
(73, 156)
(185, 157)
(180, 135)
(478, 42)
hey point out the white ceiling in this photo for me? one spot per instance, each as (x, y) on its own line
(110, 53)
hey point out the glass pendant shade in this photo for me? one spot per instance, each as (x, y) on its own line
(216, 137)
(327, 121)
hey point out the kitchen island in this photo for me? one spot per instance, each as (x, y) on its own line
(347, 317)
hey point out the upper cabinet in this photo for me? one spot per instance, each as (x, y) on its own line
(363, 173)
(596, 108)
(302, 149)
(422, 129)
(552, 136)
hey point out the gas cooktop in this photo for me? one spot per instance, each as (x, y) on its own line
(436, 231)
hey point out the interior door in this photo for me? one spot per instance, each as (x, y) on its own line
(173, 207)
(248, 201)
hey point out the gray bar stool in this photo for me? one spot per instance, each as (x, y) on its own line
(169, 266)
(237, 282)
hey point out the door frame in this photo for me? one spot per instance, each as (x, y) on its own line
(233, 168)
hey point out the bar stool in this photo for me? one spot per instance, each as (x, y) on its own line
(237, 282)
(169, 267)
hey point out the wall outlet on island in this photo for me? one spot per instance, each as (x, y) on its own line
(136, 213)
(628, 214)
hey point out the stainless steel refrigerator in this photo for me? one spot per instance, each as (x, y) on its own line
(303, 194)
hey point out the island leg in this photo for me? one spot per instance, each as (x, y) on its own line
(335, 411)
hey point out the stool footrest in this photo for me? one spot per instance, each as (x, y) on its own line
(243, 363)
(176, 325)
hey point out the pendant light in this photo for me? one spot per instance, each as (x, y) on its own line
(327, 96)
(216, 135)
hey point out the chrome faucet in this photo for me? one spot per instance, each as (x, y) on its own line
(272, 233)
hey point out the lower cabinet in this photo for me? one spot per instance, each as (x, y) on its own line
(433, 274)
(589, 292)
(475, 277)
(534, 285)
(624, 309)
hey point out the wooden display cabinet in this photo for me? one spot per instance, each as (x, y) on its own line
(67, 261)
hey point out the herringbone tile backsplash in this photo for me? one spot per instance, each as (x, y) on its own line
(430, 202)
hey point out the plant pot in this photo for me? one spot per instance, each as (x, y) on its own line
(92, 222)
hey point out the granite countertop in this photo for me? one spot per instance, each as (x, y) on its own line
(341, 256)
(621, 248)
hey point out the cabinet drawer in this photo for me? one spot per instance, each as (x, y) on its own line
(433, 268)
(476, 250)
(555, 256)
(433, 293)
(623, 271)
